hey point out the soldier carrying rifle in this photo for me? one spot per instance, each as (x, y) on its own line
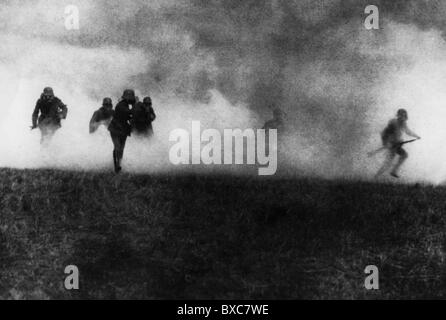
(393, 143)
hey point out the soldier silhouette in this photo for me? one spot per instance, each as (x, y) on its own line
(52, 111)
(393, 143)
(102, 116)
(142, 117)
(276, 122)
(120, 127)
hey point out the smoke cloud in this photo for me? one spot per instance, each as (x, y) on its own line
(228, 64)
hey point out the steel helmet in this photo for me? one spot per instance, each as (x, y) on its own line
(147, 100)
(129, 94)
(48, 91)
(402, 113)
(107, 102)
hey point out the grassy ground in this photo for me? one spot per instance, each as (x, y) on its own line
(217, 237)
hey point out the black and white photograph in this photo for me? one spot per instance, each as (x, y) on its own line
(222, 150)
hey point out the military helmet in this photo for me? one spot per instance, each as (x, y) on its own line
(48, 91)
(402, 113)
(277, 113)
(147, 100)
(107, 102)
(129, 94)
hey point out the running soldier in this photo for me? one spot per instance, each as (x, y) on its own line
(276, 122)
(393, 143)
(52, 111)
(143, 116)
(120, 127)
(102, 116)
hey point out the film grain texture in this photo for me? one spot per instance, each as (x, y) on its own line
(190, 149)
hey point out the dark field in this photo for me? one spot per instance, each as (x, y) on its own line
(187, 237)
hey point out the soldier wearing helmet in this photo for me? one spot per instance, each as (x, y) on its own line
(47, 115)
(143, 116)
(392, 138)
(276, 122)
(120, 127)
(102, 116)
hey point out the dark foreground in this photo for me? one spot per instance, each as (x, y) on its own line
(217, 238)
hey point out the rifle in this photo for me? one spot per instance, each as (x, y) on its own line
(407, 141)
(399, 144)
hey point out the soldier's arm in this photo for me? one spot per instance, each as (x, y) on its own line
(35, 115)
(93, 122)
(94, 118)
(63, 110)
(152, 114)
(410, 132)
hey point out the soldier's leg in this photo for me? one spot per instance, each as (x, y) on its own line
(115, 159)
(45, 135)
(51, 133)
(42, 135)
(150, 132)
(387, 162)
(50, 130)
(115, 140)
(401, 159)
(120, 150)
(122, 140)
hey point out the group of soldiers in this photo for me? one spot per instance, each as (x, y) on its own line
(130, 116)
